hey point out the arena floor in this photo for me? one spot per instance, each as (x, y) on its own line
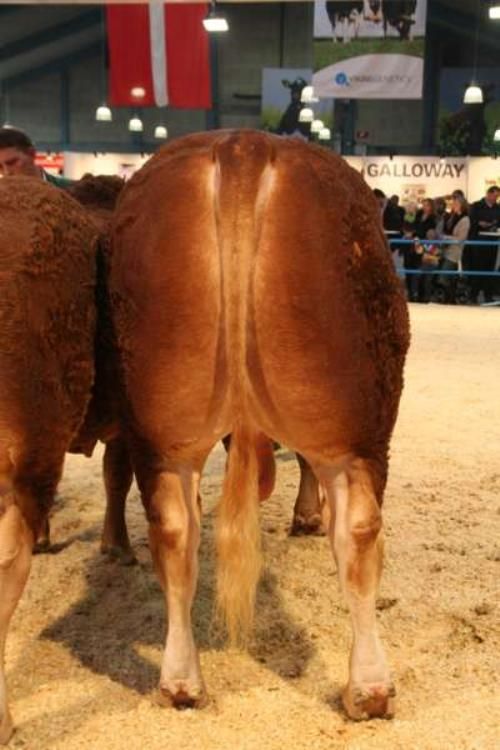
(84, 649)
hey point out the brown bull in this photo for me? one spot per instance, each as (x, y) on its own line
(252, 292)
(47, 322)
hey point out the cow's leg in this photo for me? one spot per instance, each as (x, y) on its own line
(355, 534)
(171, 501)
(307, 513)
(346, 34)
(43, 539)
(118, 475)
(22, 515)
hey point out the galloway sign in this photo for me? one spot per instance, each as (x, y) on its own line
(369, 50)
(416, 177)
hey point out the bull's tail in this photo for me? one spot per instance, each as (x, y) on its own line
(244, 168)
(238, 536)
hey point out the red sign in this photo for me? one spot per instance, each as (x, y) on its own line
(51, 162)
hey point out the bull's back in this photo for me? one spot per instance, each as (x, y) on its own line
(250, 274)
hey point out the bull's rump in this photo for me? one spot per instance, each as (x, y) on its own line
(47, 314)
(250, 247)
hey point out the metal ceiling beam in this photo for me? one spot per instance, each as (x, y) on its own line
(461, 23)
(50, 34)
(54, 66)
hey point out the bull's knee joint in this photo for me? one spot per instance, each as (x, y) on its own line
(170, 528)
(365, 532)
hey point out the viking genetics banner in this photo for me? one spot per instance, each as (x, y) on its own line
(369, 49)
(161, 50)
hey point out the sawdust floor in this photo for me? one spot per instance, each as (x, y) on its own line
(84, 650)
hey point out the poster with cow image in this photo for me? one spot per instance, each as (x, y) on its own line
(281, 102)
(369, 49)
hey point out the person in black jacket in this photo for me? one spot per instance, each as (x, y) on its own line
(418, 285)
(485, 217)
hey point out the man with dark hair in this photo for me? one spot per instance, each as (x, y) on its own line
(17, 157)
(485, 217)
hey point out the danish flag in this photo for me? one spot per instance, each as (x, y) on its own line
(161, 48)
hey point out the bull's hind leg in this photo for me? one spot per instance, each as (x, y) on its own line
(16, 543)
(118, 475)
(355, 534)
(171, 501)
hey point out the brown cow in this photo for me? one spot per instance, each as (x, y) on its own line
(252, 292)
(47, 323)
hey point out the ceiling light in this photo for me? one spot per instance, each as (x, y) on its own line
(103, 113)
(473, 94)
(307, 95)
(135, 125)
(306, 115)
(214, 21)
(138, 92)
(161, 131)
(495, 12)
(316, 126)
(324, 134)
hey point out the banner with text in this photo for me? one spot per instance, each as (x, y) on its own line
(369, 49)
(414, 178)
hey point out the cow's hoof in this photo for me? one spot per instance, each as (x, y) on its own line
(369, 701)
(122, 555)
(6, 728)
(310, 526)
(182, 694)
(42, 546)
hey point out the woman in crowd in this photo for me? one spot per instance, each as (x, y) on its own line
(456, 228)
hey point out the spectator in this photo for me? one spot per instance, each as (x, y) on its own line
(17, 157)
(456, 228)
(393, 215)
(484, 217)
(440, 214)
(381, 200)
(425, 229)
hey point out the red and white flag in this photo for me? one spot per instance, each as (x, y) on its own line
(162, 48)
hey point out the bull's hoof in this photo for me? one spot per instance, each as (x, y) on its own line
(310, 526)
(369, 701)
(6, 728)
(122, 555)
(181, 695)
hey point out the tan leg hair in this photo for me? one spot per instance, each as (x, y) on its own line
(356, 539)
(174, 535)
(16, 542)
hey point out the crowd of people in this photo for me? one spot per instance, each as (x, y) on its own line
(417, 233)
(431, 238)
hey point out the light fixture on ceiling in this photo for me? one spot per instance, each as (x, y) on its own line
(306, 115)
(324, 134)
(214, 22)
(135, 125)
(161, 132)
(103, 113)
(494, 12)
(317, 126)
(307, 95)
(473, 92)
